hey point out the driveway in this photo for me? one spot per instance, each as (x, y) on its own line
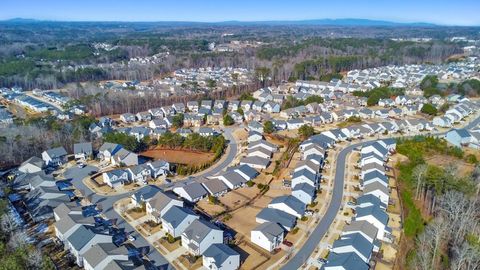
(106, 202)
(316, 236)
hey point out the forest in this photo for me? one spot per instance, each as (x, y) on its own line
(50, 54)
(441, 207)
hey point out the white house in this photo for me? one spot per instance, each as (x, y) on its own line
(159, 204)
(116, 178)
(221, 257)
(55, 156)
(288, 204)
(268, 236)
(176, 220)
(200, 235)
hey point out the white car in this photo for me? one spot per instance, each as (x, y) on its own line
(131, 238)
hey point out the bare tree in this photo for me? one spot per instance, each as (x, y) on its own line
(423, 256)
(419, 174)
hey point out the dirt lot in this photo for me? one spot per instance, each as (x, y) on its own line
(464, 168)
(179, 156)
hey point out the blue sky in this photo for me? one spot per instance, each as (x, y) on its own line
(458, 12)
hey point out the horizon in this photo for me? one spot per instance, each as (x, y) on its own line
(210, 11)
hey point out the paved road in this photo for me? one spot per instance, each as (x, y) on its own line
(77, 175)
(316, 236)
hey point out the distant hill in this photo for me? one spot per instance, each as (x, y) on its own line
(333, 22)
(326, 22)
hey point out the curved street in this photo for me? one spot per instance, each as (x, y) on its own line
(337, 194)
(106, 202)
(300, 257)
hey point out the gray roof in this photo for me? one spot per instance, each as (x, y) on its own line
(175, 215)
(110, 147)
(146, 193)
(260, 142)
(291, 202)
(358, 242)
(220, 253)
(234, 178)
(274, 215)
(370, 166)
(81, 237)
(85, 147)
(305, 188)
(374, 211)
(99, 252)
(270, 230)
(375, 186)
(199, 229)
(306, 173)
(161, 200)
(375, 174)
(348, 261)
(195, 190)
(34, 161)
(309, 164)
(215, 186)
(362, 226)
(256, 160)
(369, 198)
(56, 152)
(247, 170)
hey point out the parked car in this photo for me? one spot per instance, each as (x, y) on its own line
(287, 243)
(131, 238)
(322, 261)
(308, 213)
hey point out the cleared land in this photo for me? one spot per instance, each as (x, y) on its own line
(179, 156)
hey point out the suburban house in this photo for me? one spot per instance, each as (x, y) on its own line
(200, 235)
(32, 165)
(55, 156)
(83, 151)
(364, 228)
(378, 190)
(377, 217)
(261, 143)
(159, 168)
(460, 137)
(288, 204)
(268, 236)
(247, 172)
(254, 136)
(232, 179)
(284, 219)
(82, 239)
(345, 261)
(140, 173)
(255, 162)
(304, 176)
(221, 257)
(192, 192)
(144, 195)
(304, 192)
(116, 178)
(101, 254)
(160, 203)
(356, 243)
(176, 220)
(215, 187)
(128, 118)
(107, 150)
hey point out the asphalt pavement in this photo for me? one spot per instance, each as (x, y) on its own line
(106, 202)
(316, 236)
